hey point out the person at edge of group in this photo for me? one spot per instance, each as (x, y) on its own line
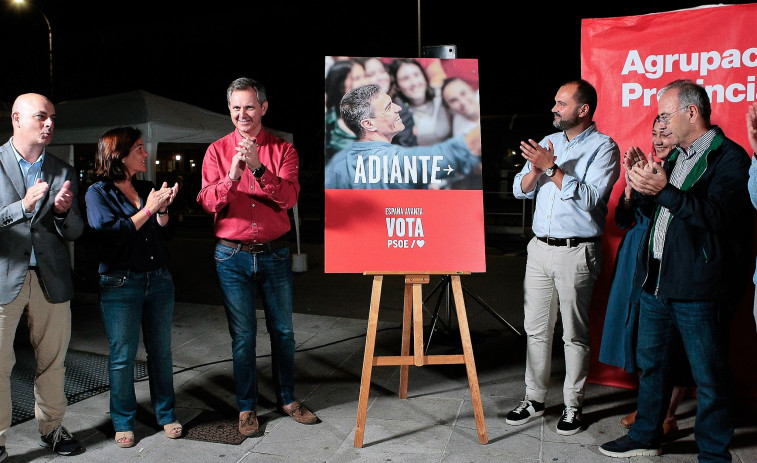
(412, 87)
(571, 174)
(751, 130)
(39, 217)
(135, 287)
(462, 101)
(249, 182)
(371, 114)
(693, 268)
(618, 347)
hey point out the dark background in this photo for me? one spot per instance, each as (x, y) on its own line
(190, 52)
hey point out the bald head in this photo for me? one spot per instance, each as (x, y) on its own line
(28, 100)
(33, 119)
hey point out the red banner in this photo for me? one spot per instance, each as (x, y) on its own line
(628, 59)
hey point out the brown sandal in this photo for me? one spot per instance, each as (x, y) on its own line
(125, 439)
(173, 430)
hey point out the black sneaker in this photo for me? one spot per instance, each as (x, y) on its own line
(625, 447)
(60, 441)
(3, 453)
(570, 421)
(524, 412)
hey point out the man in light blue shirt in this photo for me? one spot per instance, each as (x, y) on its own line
(751, 131)
(571, 174)
(32, 173)
(373, 162)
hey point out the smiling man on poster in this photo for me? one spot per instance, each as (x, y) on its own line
(373, 162)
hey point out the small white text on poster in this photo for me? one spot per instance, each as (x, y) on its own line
(404, 227)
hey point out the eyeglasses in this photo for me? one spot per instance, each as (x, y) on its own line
(665, 118)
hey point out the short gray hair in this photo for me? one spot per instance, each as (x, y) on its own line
(356, 107)
(691, 93)
(245, 83)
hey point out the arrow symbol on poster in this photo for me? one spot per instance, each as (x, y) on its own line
(449, 170)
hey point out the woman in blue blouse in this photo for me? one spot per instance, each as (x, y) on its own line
(136, 288)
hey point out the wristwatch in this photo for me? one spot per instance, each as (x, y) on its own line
(551, 170)
(259, 171)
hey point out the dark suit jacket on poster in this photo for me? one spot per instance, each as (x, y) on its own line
(45, 231)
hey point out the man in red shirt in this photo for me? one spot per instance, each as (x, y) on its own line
(249, 181)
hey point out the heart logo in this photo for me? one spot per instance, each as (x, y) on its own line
(420, 243)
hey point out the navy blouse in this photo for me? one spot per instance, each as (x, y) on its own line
(121, 246)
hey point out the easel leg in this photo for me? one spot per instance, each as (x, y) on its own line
(407, 312)
(370, 342)
(417, 301)
(470, 365)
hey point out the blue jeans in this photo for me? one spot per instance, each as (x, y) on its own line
(241, 274)
(702, 325)
(129, 300)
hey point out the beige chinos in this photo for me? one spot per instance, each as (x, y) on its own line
(49, 333)
(559, 279)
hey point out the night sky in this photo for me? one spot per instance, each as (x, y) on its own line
(192, 52)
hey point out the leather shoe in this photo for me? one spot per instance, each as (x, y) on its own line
(670, 425)
(248, 423)
(628, 420)
(300, 414)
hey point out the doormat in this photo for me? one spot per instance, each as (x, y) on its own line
(211, 426)
(86, 376)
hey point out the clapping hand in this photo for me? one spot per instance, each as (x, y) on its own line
(751, 126)
(248, 148)
(64, 198)
(540, 158)
(172, 192)
(160, 199)
(34, 193)
(634, 156)
(648, 177)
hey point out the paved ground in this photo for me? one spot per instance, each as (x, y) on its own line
(434, 424)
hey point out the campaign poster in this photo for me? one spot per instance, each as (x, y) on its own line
(403, 183)
(629, 59)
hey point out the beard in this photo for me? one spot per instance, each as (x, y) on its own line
(566, 123)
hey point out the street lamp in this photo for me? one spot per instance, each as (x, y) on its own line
(49, 36)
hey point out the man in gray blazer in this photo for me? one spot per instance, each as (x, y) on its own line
(38, 216)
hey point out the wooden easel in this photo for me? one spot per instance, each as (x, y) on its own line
(413, 306)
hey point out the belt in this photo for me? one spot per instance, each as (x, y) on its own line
(255, 248)
(569, 242)
(34, 267)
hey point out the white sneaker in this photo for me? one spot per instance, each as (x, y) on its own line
(524, 412)
(570, 421)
